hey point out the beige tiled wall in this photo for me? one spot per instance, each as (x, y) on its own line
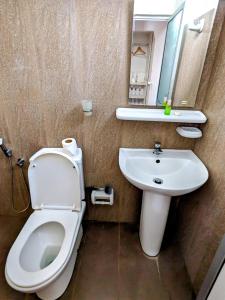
(202, 213)
(53, 54)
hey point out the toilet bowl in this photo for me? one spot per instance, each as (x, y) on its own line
(43, 256)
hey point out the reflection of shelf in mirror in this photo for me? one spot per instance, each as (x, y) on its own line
(136, 101)
(157, 115)
(137, 104)
(138, 83)
(136, 97)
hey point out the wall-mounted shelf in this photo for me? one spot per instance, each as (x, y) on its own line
(157, 115)
(136, 97)
(135, 101)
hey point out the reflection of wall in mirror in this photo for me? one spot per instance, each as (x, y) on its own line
(159, 30)
(140, 61)
(191, 63)
(194, 9)
(193, 51)
(155, 7)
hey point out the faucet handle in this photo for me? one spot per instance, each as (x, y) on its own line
(157, 145)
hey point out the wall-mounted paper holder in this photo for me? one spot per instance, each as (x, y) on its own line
(103, 197)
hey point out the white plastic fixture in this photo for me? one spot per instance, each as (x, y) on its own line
(42, 258)
(172, 173)
(157, 115)
(101, 197)
(189, 132)
(54, 180)
(87, 107)
(197, 26)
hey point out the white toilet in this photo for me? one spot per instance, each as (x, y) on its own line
(43, 256)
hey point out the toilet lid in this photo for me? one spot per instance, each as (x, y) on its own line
(54, 181)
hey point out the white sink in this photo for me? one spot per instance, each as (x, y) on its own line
(181, 171)
(172, 173)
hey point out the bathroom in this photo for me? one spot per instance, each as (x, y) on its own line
(54, 54)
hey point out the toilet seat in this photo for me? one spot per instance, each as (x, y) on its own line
(25, 280)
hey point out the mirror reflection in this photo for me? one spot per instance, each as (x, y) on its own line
(169, 45)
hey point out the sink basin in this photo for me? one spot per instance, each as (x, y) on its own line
(178, 171)
(172, 173)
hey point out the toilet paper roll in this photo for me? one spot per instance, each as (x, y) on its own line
(70, 145)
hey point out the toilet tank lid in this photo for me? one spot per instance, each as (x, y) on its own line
(54, 179)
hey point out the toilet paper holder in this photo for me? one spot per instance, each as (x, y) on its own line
(103, 196)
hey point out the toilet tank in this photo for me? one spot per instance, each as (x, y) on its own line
(78, 158)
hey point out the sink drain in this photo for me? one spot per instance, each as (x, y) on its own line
(158, 180)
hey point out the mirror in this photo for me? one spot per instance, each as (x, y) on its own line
(169, 45)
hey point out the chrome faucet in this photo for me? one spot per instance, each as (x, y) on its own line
(157, 149)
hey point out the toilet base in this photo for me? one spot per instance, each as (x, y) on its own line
(58, 287)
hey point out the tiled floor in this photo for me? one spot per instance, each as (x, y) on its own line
(110, 266)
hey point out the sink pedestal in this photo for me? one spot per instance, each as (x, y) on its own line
(154, 212)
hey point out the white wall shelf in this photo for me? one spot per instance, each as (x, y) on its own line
(157, 115)
(136, 97)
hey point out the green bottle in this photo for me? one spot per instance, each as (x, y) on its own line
(167, 109)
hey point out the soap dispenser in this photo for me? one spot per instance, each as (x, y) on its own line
(167, 110)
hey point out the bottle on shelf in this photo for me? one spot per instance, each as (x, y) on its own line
(167, 109)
